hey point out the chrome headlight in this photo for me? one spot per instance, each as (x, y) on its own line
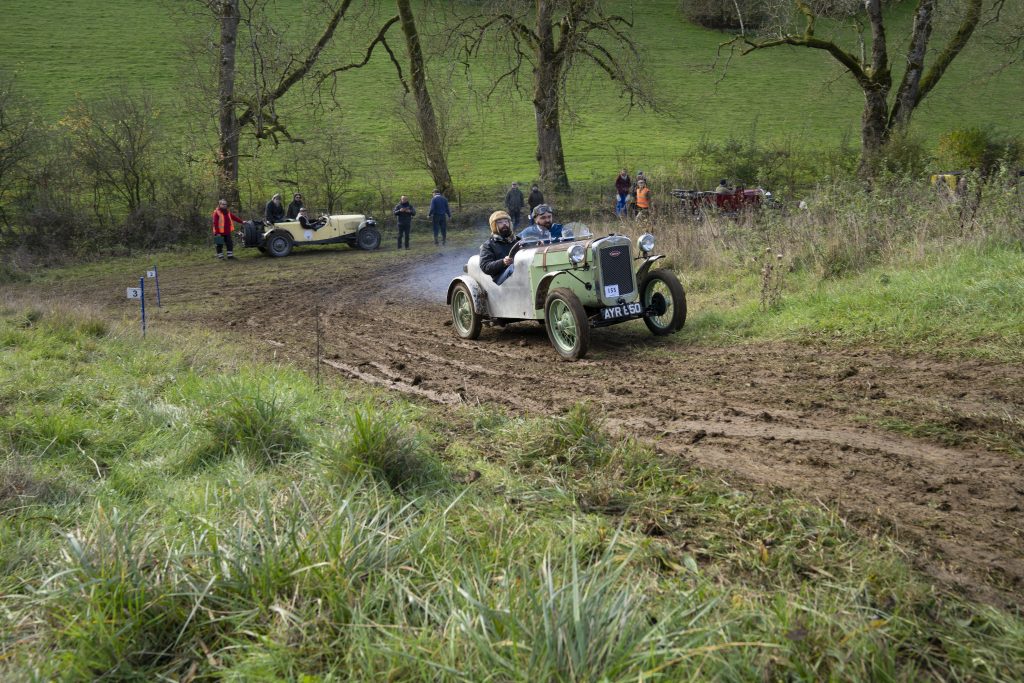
(646, 242)
(576, 254)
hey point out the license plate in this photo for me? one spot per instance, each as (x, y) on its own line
(623, 311)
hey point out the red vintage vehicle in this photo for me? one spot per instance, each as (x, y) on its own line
(697, 203)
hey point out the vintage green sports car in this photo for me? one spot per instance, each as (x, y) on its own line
(278, 239)
(571, 285)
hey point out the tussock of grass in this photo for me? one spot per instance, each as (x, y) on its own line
(252, 420)
(384, 442)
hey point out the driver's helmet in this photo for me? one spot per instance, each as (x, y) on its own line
(532, 233)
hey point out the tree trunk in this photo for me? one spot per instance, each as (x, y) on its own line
(433, 147)
(227, 152)
(546, 87)
(874, 131)
(908, 96)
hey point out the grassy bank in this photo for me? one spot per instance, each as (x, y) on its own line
(168, 511)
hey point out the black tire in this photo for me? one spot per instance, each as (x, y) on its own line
(251, 233)
(662, 292)
(368, 239)
(465, 320)
(567, 325)
(279, 244)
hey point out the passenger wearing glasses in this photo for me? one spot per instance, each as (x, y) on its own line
(293, 208)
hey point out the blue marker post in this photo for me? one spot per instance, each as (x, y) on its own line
(156, 278)
(142, 303)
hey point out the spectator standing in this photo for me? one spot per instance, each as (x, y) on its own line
(622, 186)
(223, 226)
(404, 211)
(535, 199)
(643, 197)
(293, 208)
(439, 213)
(514, 204)
(274, 213)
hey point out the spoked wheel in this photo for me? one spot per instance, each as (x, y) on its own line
(368, 239)
(664, 302)
(465, 320)
(567, 324)
(279, 244)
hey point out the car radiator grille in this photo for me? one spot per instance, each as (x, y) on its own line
(617, 268)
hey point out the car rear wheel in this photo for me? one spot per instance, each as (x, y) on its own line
(368, 239)
(664, 302)
(251, 233)
(279, 244)
(567, 324)
(465, 319)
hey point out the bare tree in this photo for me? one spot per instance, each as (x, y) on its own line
(115, 141)
(554, 37)
(17, 138)
(272, 78)
(884, 111)
(431, 138)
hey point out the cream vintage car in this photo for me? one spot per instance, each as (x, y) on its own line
(278, 239)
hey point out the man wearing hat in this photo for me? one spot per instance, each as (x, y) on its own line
(495, 259)
(439, 213)
(514, 203)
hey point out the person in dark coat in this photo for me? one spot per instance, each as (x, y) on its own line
(535, 199)
(308, 224)
(274, 213)
(514, 203)
(622, 185)
(494, 253)
(404, 211)
(439, 213)
(293, 208)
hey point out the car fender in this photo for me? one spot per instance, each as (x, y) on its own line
(641, 272)
(475, 291)
(543, 287)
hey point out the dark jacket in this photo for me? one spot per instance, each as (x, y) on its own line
(311, 225)
(622, 185)
(536, 199)
(274, 213)
(492, 252)
(293, 210)
(439, 207)
(405, 212)
(514, 200)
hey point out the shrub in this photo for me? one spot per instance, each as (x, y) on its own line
(722, 14)
(981, 150)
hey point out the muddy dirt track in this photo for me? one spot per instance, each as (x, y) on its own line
(803, 419)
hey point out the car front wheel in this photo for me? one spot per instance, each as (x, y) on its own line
(567, 324)
(279, 244)
(664, 302)
(465, 319)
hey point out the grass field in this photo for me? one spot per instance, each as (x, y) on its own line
(174, 513)
(88, 48)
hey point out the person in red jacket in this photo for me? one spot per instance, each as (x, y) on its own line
(223, 226)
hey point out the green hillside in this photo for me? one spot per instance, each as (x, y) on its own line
(90, 47)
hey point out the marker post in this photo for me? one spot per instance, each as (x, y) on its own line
(156, 278)
(142, 303)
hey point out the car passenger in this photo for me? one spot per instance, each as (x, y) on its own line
(724, 187)
(293, 208)
(308, 224)
(543, 218)
(494, 253)
(274, 212)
